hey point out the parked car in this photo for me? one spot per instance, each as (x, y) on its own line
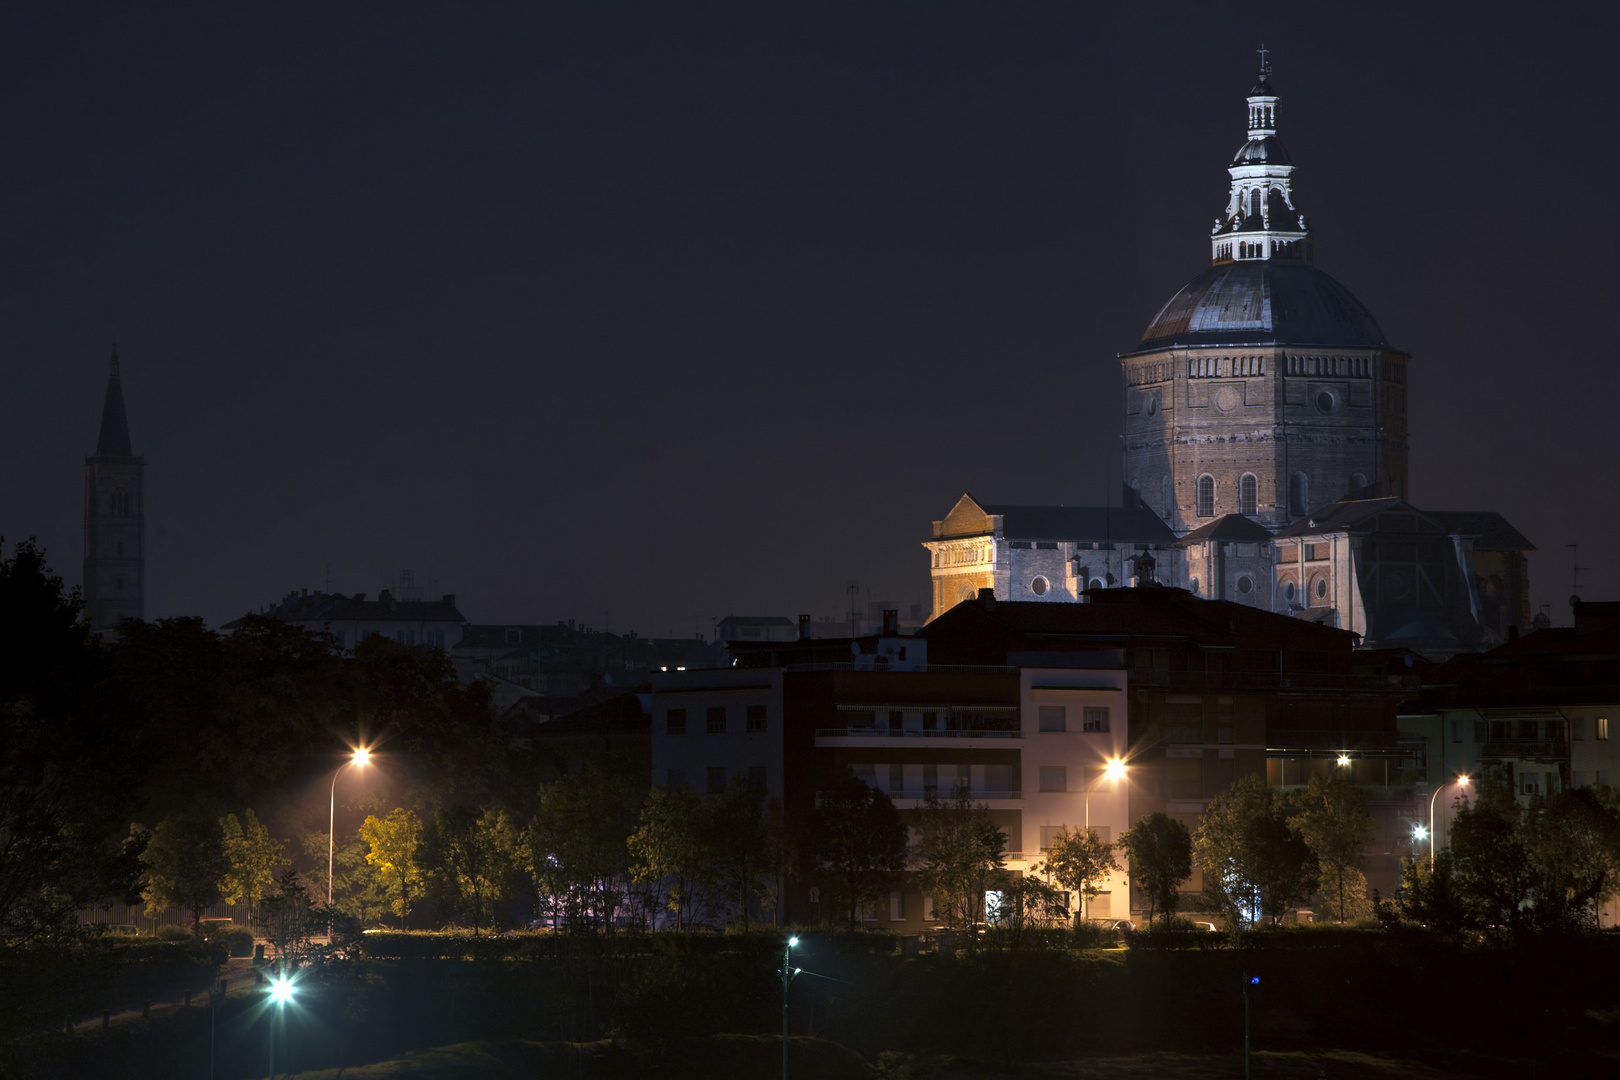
(1211, 927)
(1112, 924)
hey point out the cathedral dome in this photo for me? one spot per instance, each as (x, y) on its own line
(1265, 151)
(1269, 301)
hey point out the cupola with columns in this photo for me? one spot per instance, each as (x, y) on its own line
(1261, 220)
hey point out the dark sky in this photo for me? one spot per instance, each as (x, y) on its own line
(644, 315)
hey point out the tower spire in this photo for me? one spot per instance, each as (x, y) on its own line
(114, 439)
(1261, 220)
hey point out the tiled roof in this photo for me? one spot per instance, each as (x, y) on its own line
(1232, 527)
(1492, 531)
(1131, 524)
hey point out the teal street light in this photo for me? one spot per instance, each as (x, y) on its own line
(788, 971)
(281, 995)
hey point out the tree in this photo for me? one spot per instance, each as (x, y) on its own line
(1574, 848)
(1494, 875)
(1334, 822)
(668, 853)
(854, 846)
(1080, 861)
(472, 855)
(67, 778)
(391, 846)
(252, 857)
(1430, 896)
(186, 866)
(576, 846)
(1255, 864)
(744, 849)
(1160, 852)
(290, 918)
(960, 854)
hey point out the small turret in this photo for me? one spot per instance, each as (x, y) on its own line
(1261, 220)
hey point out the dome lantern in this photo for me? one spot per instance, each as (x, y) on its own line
(1261, 219)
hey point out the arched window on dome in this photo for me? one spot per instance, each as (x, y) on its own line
(1248, 495)
(1254, 203)
(1206, 496)
(1358, 483)
(1299, 494)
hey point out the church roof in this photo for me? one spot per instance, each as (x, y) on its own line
(1263, 302)
(1127, 524)
(113, 441)
(1490, 529)
(1231, 527)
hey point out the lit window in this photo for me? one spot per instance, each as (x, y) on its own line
(1248, 495)
(1206, 496)
(1096, 718)
(1603, 727)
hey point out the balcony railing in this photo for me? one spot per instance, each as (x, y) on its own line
(910, 733)
(1524, 748)
(942, 794)
(1263, 680)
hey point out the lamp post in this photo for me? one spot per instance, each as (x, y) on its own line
(1462, 781)
(788, 971)
(1248, 981)
(1114, 769)
(360, 757)
(281, 992)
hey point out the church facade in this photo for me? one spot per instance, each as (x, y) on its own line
(1265, 429)
(114, 517)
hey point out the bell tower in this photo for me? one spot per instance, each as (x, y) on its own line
(114, 518)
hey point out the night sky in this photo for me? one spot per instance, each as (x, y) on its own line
(645, 315)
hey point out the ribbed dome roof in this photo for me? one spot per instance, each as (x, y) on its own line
(1266, 151)
(1263, 301)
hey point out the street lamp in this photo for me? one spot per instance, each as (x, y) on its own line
(1462, 782)
(788, 971)
(281, 994)
(360, 757)
(1344, 760)
(1113, 769)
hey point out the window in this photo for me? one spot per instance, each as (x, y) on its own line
(120, 502)
(964, 777)
(1254, 202)
(1053, 718)
(1226, 733)
(1456, 730)
(716, 721)
(1602, 727)
(1248, 495)
(897, 719)
(1096, 719)
(675, 721)
(1045, 545)
(1105, 833)
(1245, 585)
(999, 782)
(717, 779)
(1577, 779)
(1479, 731)
(1602, 776)
(1206, 496)
(1577, 729)
(1038, 586)
(897, 907)
(1049, 833)
(1321, 588)
(756, 775)
(1357, 483)
(756, 718)
(1326, 402)
(930, 779)
(897, 779)
(675, 779)
(1054, 778)
(1299, 494)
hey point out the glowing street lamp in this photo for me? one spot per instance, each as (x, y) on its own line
(1462, 782)
(788, 971)
(281, 995)
(1344, 759)
(1113, 769)
(359, 758)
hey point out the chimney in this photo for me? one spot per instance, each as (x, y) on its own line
(804, 628)
(891, 621)
(987, 597)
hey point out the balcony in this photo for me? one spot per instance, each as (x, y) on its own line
(1525, 749)
(915, 798)
(1159, 678)
(909, 734)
